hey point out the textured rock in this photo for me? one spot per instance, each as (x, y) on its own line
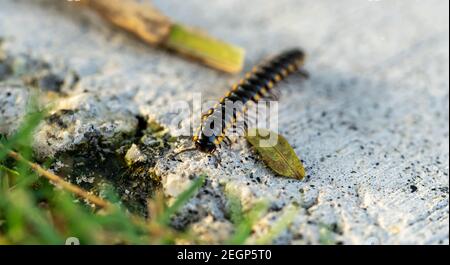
(371, 124)
(76, 119)
(211, 231)
(13, 105)
(134, 155)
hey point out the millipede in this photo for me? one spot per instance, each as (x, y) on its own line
(256, 85)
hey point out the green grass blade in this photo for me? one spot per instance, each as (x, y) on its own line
(284, 221)
(24, 134)
(244, 229)
(9, 171)
(182, 199)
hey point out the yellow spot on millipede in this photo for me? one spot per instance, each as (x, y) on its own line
(278, 77)
(263, 91)
(292, 67)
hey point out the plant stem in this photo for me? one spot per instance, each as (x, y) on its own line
(153, 27)
(57, 180)
(196, 44)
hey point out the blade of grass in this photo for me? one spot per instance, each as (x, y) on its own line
(182, 199)
(9, 171)
(326, 235)
(284, 221)
(244, 229)
(78, 221)
(24, 206)
(15, 223)
(235, 209)
(23, 136)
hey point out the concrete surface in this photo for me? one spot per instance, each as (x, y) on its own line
(371, 124)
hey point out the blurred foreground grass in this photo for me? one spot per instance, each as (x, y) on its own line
(33, 211)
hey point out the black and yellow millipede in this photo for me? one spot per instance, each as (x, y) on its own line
(257, 84)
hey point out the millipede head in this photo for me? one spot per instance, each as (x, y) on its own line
(205, 144)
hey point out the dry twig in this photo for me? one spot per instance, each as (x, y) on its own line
(153, 27)
(57, 180)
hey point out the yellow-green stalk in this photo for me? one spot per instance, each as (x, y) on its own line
(156, 29)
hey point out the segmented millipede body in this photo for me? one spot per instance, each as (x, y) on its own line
(257, 84)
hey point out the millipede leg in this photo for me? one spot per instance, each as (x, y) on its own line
(227, 140)
(217, 159)
(274, 94)
(183, 151)
(303, 73)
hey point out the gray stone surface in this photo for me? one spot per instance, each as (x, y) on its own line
(371, 124)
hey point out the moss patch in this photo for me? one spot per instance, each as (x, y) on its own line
(98, 163)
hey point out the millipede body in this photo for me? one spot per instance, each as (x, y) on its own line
(257, 84)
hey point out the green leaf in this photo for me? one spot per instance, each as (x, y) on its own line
(276, 153)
